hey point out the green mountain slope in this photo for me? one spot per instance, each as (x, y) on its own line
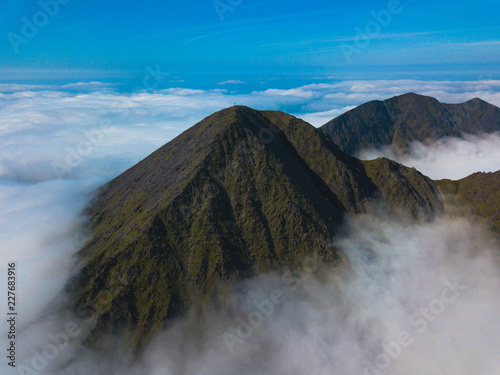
(357, 183)
(239, 193)
(398, 121)
(477, 194)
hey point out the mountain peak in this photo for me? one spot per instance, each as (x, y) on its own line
(400, 120)
(410, 95)
(240, 192)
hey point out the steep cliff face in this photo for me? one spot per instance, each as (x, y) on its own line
(358, 183)
(239, 193)
(398, 121)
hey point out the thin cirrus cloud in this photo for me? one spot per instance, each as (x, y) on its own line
(231, 82)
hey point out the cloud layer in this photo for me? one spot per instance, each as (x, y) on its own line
(412, 298)
(415, 298)
(49, 132)
(451, 158)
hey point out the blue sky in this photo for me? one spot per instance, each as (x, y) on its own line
(272, 43)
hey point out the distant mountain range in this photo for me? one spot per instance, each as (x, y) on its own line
(244, 192)
(398, 121)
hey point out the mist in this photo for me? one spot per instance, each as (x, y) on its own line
(410, 298)
(452, 158)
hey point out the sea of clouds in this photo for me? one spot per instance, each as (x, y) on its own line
(58, 144)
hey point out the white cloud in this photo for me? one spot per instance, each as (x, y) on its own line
(324, 117)
(93, 84)
(297, 93)
(40, 126)
(231, 82)
(451, 158)
(40, 232)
